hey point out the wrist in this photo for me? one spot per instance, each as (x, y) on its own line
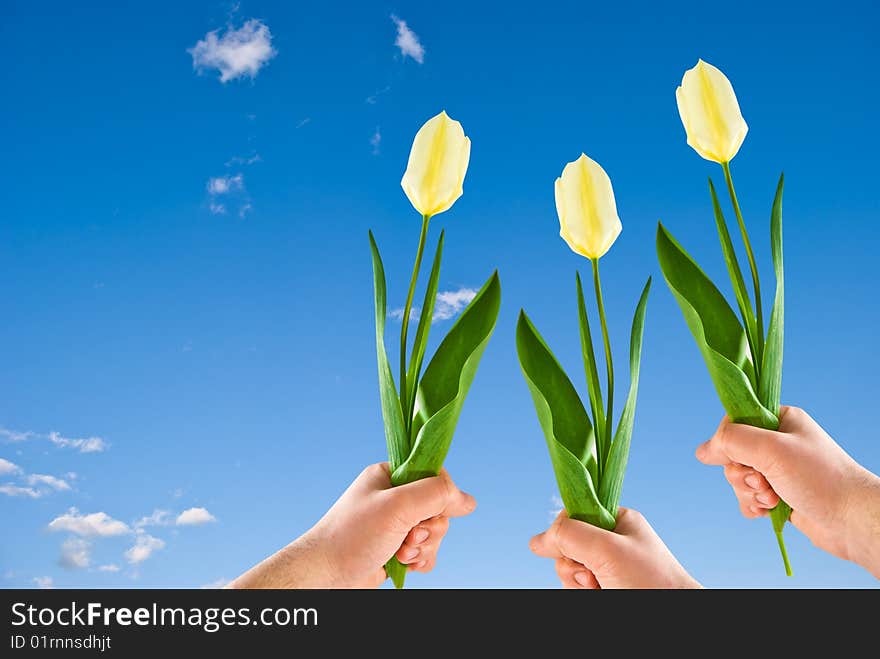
(862, 523)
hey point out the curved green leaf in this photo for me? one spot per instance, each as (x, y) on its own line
(593, 386)
(612, 479)
(395, 430)
(443, 388)
(719, 335)
(425, 318)
(771, 370)
(567, 430)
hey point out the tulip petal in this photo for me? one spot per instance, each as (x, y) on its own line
(586, 207)
(437, 165)
(710, 113)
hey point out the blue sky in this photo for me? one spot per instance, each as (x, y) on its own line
(224, 357)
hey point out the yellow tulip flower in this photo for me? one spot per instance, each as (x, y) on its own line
(587, 211)
(710, 113)
(437, 164)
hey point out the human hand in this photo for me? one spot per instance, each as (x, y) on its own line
(370, 522)
(631, 556)
(835, 501)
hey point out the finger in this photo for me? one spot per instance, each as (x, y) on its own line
(418, 535)
(414, 502)
(425, 566)
(573, 575)
(747, 445)
(584, 543)
(409, 554)
(544, 546)
(749, 510)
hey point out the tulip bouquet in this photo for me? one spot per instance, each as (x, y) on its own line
(744, 363)
(421, 415)
(589, 458)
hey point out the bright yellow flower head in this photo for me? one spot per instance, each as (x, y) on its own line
(710, 113)
(587, 211)
(437, 164)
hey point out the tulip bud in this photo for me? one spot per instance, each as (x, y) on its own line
(587, 211)
(710, 113)
(437, 164)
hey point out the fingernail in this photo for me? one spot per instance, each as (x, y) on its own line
(582, 578)
(420, 535)
(756, 510)
(409, 553)
(753, 481)
(762, 498)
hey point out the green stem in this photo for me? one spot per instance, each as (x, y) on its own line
(609, 366)
(404, 325)
(759, 338)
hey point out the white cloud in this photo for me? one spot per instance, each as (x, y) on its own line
(110, 567)
(14, 436)
(447, 305)
(217, 583)
(143, 548)
(75, 553)
(376, 141)
(194, 517)
(373, 98)
(83, 445)
(58, 484)
(43, 582)
(303, 122)
(244, 210)
(242, 160)
(217, 209)
(7, 467)
(157, 518)
(225, 184)
(408, 41)
(450, 303)
(15, 491)
(95, 524)
(235, 53)
(558, 506)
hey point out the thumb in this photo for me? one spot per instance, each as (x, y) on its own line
(735, 442)
(589, 545)
(430, 497)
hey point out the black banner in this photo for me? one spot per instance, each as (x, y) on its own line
(132, 622)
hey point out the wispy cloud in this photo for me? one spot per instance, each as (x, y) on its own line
(143, 548)
(235, 53)
(75, 553)
(408, 41)
(11, 490)
(447, 305)
(376, 141)
(7, 467)
(109, 567)
(58, 484)
(225, 184)
(302, 122)
(93, 525)
(244, 160)
(216, 209)
(44, 582)
(557, 508)
(157, 518)
(194, 517)
(83, 445)
(373, 98)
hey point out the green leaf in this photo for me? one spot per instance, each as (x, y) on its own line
(443, 388)
(425, 318)
(395, 430)
(567, 430)
(719, 335)
(593, 386)
(736, 277)
(612, 479)
(771, 370)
